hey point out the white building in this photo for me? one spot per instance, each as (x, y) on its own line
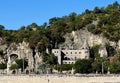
(70, 56)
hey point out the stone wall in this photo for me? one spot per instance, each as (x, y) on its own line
(58, 79)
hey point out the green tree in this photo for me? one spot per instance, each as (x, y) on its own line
(21, 63)
(3, 66)
(116, 4)
(87, 11)
(14, 66)
(83, 66)
(97, 10)
(110, 50)
(52, 60)
(66, 67)
(100, 65)
(2, 27)
(72, 20)
(96, 66)
(115, 67)
(91, 27)
(95, 51)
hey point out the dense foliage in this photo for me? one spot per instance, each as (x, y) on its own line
(14, 66)
(3, 66)
(83, 66)
(99, 65)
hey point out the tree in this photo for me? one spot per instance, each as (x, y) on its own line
(110, 50)
(97, 10)
(87, 11)
(44, 25)
(33, 25)
(52, 60)
(72, 20)
(14, 66)
(91, 27)
(53, 20)
(2, 54)
(2, 27)
(83, 66)
(1, 30)
(100, 65)
(115, 67)
(41, 46)
(95, 51)
(3, 66)
(96, 66)
(20, 63)
(116, 4)
(66, 67)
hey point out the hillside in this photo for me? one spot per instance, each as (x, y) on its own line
(99, 28)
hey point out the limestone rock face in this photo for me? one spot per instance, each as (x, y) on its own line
(38, 59)
(118, 44)
(103, 51)
(0, 40)
(20, 51)
(76, 39)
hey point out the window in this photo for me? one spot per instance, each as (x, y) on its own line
(66, 52)
(64, 62)
(75, 52)
(75, 58)
(86, 51)
(71, 52)
(55, 51)
(79, 52)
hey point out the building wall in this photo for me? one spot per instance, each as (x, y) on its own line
(75, 54)
(68, 61)
(71, 55)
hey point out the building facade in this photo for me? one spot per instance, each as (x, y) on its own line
(70, 56)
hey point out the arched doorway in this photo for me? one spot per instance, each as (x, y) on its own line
(13, 57)
(27, 71)
(13, 72)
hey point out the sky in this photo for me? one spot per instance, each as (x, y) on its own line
(17, 13)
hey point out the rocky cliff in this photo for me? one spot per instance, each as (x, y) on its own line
(76, 39)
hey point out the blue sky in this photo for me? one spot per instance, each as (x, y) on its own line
(16, 13)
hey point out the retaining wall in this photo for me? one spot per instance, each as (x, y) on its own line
(58, 79)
